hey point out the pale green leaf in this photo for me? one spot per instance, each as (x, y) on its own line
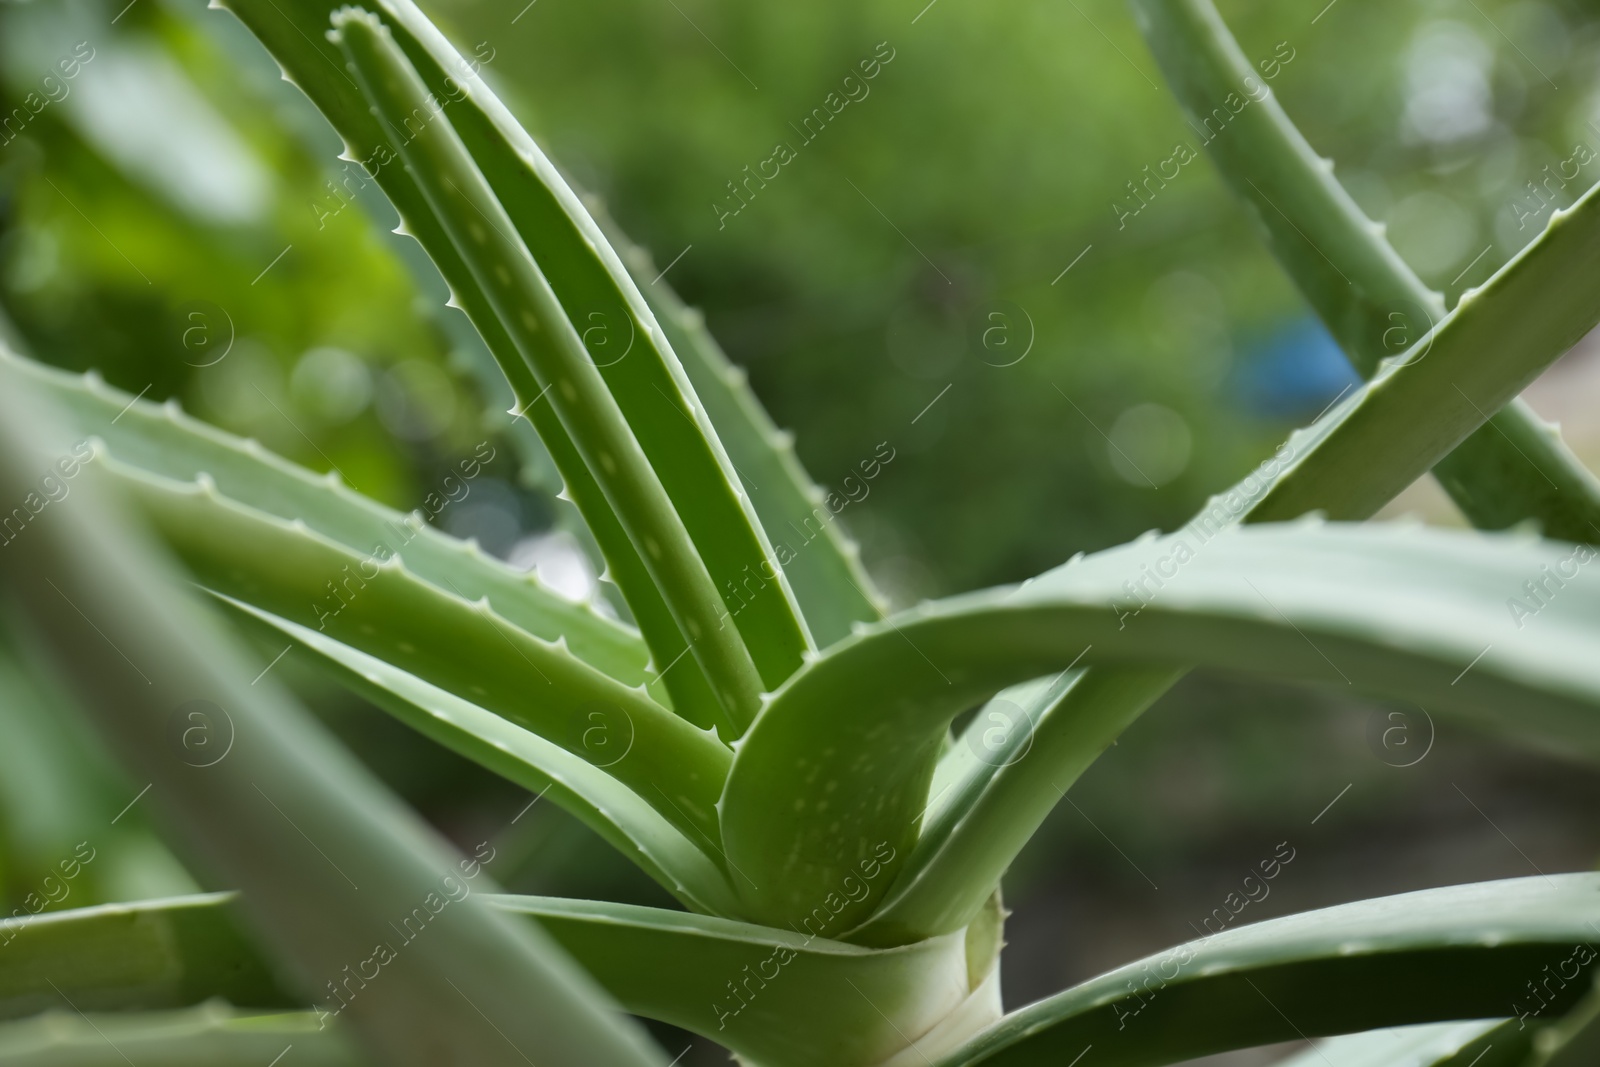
(819, 783)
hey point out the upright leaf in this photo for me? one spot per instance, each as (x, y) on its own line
(549, 344)
(293, 31)
(626, 343)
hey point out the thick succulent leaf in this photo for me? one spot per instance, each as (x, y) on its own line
(293, 31)
(631, 349)
(212, 1035)
(601, 802)
(159, 439)
(1571, 1041)
(1463, 952)
(822, 563)
(550, 345)
(1477, 1043)
(1513, 468)
(1405, 420)
(774, 996)
(1421, 405)
(981, 811)
(122, 957)
(141, 656)
(378, 607)
(818, 785)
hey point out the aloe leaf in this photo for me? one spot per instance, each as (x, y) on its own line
(1421, 405)
(374, 604)
(817, 786)
(1479, 1043)
(1463, 952)
(121, 957)
(773, 996)
(982, 812)
(550, 345)
(1349, 463)
(293, 31)
(211, 1035)
(1571, 1041)
(601, 802)
(159, 439)
(1513, 468)
(141, 656)
(822, 563)
(624, 340)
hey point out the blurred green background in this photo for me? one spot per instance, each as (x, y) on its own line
(956, 265)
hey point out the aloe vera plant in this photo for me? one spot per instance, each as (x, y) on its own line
(761, 739)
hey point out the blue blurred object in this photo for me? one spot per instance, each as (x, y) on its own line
(1296, 370)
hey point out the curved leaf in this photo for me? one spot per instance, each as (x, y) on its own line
(1464, 952)
(159, 439)
(601, 802)
(377, 606)
(817, 786)
(1345, 463)
(991, 791)
(773, 996)
(1513, 468)
(1480, 1043)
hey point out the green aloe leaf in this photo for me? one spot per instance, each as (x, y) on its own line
(121, 957)
(159, 439)
(624, 340)
(550, 345)
(1463, 952)
(1509, 470)
(985, 804)
(1349, 463)
(822, 563)
(817, 786)
(773, 996)
(1480, 1043)
(293, 31)
(212, 1035)
(376, 605)
(1421, 405)
(580, 785)
(146, 660)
